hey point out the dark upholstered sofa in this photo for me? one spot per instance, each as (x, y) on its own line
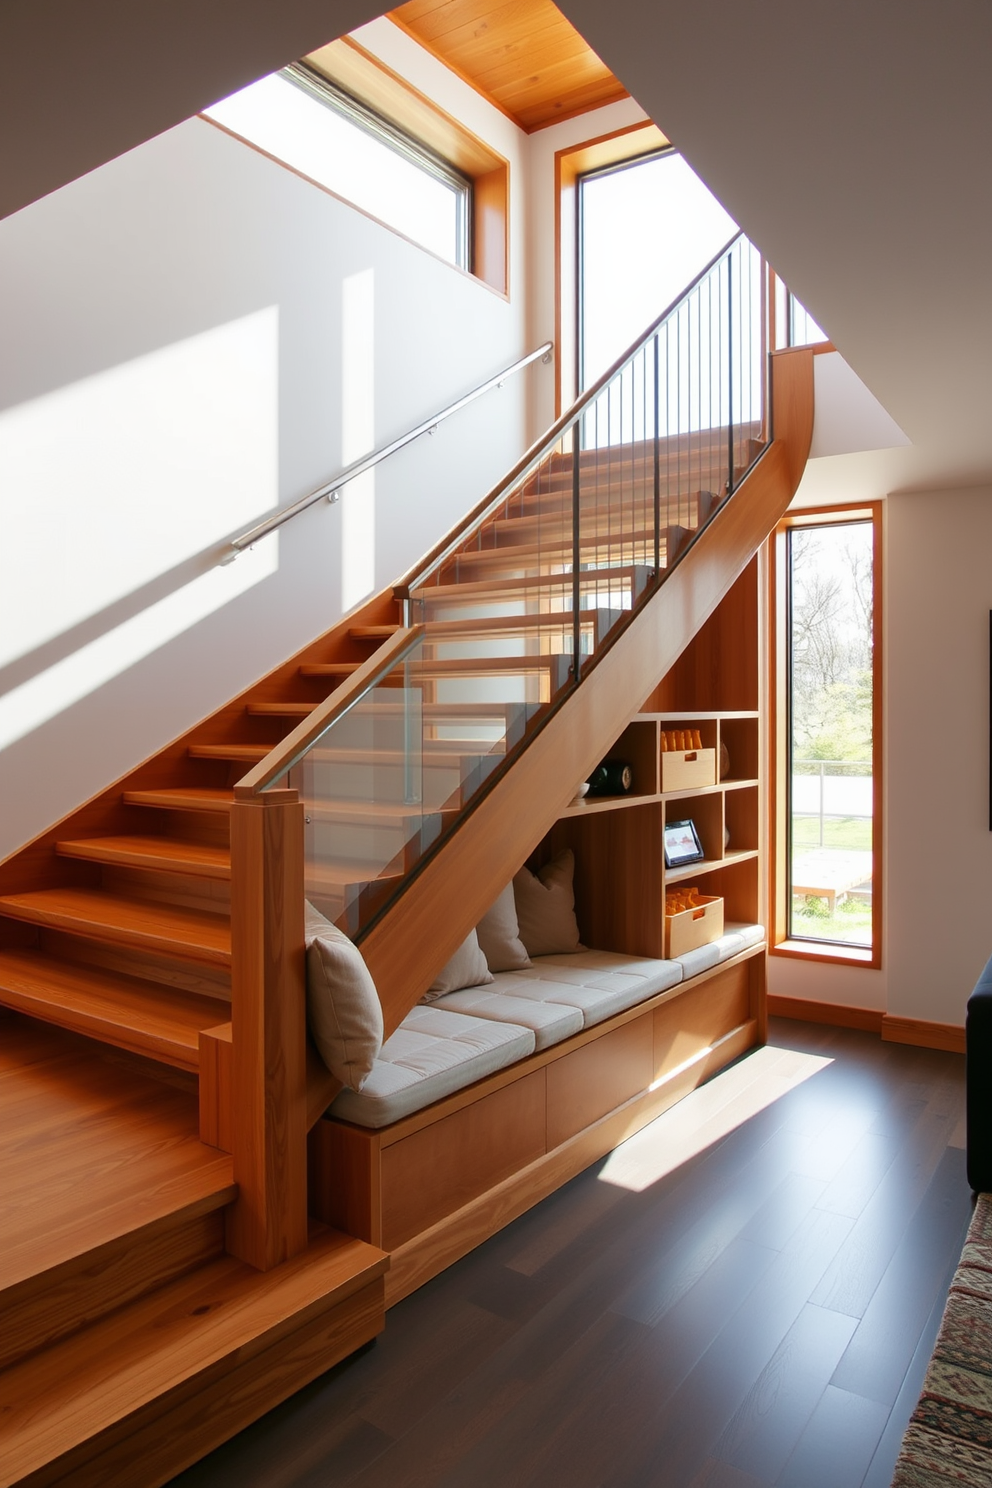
(978, 1046)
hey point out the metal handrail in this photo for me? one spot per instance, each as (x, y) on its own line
(547, 442)
(331, 488)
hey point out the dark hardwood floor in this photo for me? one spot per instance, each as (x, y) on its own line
(744, 1294)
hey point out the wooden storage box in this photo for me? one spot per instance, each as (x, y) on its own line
(683, 769)
(694, 927)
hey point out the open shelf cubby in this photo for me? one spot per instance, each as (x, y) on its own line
(621, 877)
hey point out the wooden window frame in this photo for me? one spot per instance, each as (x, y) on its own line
(357, 72)
(361, 74)
(779, 941)
(624, 144)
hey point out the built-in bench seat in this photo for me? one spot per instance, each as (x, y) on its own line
(467, 1035)
(487, 1100)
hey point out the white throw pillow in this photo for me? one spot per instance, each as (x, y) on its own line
(467, 968)
(343, 1008)
(499, 935)
(546, 907)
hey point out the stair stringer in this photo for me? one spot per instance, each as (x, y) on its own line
(459, 883)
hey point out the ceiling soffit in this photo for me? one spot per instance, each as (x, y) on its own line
(524, 56)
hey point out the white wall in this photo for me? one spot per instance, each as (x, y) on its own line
(937, 898)
(173, 365)
(939, 584)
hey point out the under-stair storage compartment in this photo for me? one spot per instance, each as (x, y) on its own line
(430, 1187)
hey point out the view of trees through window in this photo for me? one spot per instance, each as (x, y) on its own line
(831, 827)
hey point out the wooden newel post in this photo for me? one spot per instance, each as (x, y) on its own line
(268, 1221)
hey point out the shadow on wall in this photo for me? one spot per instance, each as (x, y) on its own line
(121, 491)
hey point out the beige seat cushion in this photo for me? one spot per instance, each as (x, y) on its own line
(735, 938)
(343, 1009)
(506, 1002)
(598, 983)
(546, 907)
(431, 1054)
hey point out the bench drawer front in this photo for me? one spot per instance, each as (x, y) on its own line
(699, 1017)
(436, 1170)
(594, 1080)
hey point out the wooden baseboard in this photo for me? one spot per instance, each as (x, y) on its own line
(418, 1260)
(948, 1037)
(868, 1020)
(925, 1035)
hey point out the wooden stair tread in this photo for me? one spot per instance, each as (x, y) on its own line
(91, 1149)
(199, 858)
(186, 933)
(344, 874)
(560, 546)
(373, 632)
(373, 813)
(493, 626)
(160, 1022)
(436, 712)
(329, 668)
(219, 1316)
(182, 798)
(449, 756)
(246, 753)
(481, 589)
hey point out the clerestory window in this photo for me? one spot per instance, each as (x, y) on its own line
(318, 129)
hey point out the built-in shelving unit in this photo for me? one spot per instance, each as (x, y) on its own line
(621, 876)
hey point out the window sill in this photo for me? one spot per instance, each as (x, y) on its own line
(822, 950)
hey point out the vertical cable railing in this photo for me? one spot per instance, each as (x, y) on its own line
(512, 610)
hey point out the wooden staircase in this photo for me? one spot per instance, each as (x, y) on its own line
(131, 1340)
(154, 1296)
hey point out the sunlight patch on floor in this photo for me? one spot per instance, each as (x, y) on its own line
(707, 1115)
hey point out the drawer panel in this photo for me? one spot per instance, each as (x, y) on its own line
(593, 1080)
(436, 1170)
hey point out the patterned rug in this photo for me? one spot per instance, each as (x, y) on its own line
(949, 1437)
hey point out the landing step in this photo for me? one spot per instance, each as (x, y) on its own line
(167, 853)
(140, 1395)
(188, 934)
(92, 1151)
(161, 1023)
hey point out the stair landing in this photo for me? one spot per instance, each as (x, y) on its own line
(91, 1147)
(130, 1343)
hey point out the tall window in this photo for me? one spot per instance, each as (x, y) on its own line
(318, 129)
(830, 795)
(646, 228)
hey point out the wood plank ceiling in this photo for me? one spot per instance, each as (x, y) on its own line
(523, 55)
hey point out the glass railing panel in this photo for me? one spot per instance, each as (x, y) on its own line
(507, 621)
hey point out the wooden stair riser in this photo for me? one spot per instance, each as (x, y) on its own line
(537, 589)
(479, 564)
(439, 786)
(376, 847)
(155, 1020)
(158, 854)
(44, 1309)
(189, 935)
(154, 967)
(600, 521)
